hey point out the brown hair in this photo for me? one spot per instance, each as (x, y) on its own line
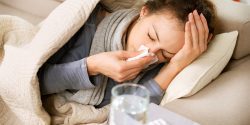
(181, 9)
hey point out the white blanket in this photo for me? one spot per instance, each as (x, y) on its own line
(23, 49)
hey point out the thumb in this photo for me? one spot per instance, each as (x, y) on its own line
(210, 37)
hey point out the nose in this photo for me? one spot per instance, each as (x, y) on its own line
(154, 49)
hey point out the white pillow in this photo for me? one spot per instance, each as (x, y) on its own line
(204, 69)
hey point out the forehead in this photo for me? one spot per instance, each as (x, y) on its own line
(170, 31)
(165, 21)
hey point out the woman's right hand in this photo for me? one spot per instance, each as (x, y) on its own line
(114, 65)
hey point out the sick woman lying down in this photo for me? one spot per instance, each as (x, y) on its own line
(95, 59)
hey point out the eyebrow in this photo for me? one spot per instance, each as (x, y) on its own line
(159, 40)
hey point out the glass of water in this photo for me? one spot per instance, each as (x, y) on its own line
(129, 103)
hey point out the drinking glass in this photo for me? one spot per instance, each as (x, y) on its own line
(129, 104)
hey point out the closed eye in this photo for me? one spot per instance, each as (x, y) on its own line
(150, 37)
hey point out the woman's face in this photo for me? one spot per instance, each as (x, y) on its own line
(161, 33)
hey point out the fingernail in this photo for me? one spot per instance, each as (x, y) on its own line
(202, 15)
(154, 60)
(153, 57)
(190, 16)
(151, 54)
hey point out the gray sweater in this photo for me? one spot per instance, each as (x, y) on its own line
(67, 70)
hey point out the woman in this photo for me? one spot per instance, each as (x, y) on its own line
(176, 31)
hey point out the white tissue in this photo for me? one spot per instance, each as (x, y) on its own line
(143, 54)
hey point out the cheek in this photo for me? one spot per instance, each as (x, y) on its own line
(140, 39)
(140, 36)
(137, 42)
(179, 43)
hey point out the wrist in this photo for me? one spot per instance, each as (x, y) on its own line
(91, 66)
(160, 82)
(167, 74)
(176, 66)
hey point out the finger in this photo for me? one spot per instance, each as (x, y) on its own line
(131, 76)
(188, 36)
(210, 37)
(132, 71)
(127, 74)
(204, 22)
(194, 32)
(201, 31)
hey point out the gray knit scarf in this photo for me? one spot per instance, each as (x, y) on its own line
(110, 36)
(111, 32)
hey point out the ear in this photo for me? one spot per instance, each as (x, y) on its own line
(144, 12)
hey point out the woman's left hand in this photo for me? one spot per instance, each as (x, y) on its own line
(196, 40)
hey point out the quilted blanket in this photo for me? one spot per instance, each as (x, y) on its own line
(23, 49)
